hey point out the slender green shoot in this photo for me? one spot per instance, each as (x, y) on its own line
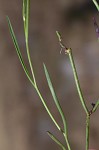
(26, 10)
(47, 109)
(77, 81)
(33, 81)
(69, 52)
(56, 140)
(88, 113)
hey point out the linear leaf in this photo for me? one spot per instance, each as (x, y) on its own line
(55, 99)
(18, 51)
(56, 140)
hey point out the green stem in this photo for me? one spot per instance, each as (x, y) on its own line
(37, 90)
(67, 142)
(30, 62)
(87, 131)
(69, 52)
(47, 109)
(26, 10)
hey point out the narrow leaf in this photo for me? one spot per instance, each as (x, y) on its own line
(56, 140)
(18, 51)
(55, 98)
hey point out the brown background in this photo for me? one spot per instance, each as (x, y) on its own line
(23, 121)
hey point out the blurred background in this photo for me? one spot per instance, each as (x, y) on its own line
(23, 120)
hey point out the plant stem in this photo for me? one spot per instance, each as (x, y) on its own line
(30, 63)
(87, 131)
(69, 52)
(47, 109)
(67, 142)
(26, 10)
